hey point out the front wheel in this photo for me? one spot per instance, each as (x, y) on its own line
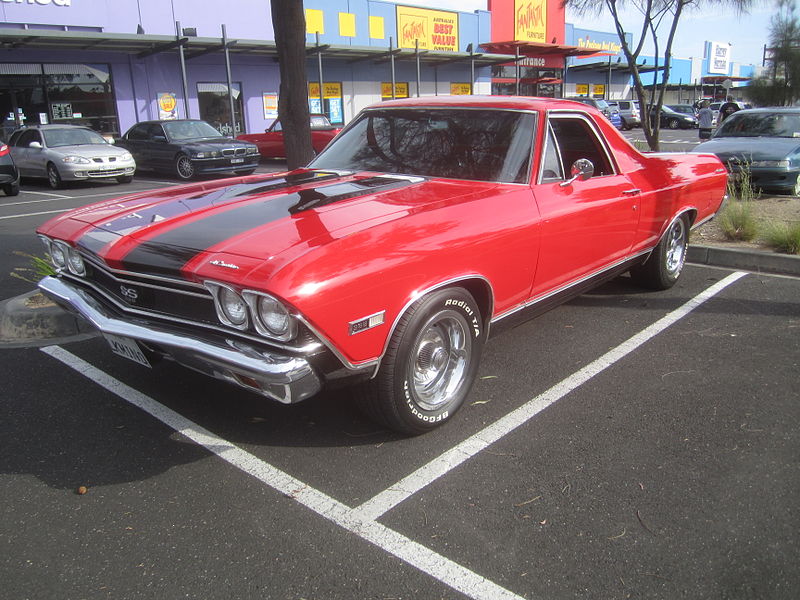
(664, 265)
(673, 123)
(430, 364)
(184, 168)
(11, 189)
(796, 189)
(53, 177)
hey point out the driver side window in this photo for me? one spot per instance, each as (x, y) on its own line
(574, 139)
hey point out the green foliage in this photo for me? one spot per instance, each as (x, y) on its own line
(737, 221)
(784, 237)
(38, 267)
(781, 83)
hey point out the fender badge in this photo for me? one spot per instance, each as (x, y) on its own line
(367, 323)
(224, 265)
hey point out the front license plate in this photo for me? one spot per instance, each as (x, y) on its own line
(237, 161)
(128, 348)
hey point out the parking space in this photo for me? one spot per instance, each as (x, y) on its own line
(626, 444)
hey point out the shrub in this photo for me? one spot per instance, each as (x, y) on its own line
(784, 237)
(737, 221)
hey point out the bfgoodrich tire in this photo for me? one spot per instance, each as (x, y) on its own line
(665, 263)
(430, 364)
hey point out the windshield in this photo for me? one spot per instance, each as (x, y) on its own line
(760, 124)
(71, 137)
(189, 130)
(482, 145)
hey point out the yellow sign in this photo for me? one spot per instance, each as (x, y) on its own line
(376, 28)
(582, 89)
(167, 102)
(433, 29)
(330, 90)
(400, 89)
(530, 20)
(347, 24)
(460, 89)
(315, 21)
(598, 89)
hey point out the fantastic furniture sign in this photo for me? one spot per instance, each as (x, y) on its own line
(530, 20)
(431, 29)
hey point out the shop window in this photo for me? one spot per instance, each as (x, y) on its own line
(332, 105)
(81, 94)
(215, 107)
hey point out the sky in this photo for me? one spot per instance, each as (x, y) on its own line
(747, 33)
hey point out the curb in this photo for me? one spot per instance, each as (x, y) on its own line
(748, 260)
(32, 320)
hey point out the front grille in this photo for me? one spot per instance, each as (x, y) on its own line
(234, 152)
(106, 173)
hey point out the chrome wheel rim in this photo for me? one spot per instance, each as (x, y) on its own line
(440, 360)
(185, 168)
(52, 176)
(676, 247)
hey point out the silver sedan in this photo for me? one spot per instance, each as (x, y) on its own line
(69, 153)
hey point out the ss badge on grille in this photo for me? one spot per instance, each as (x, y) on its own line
(130, 294)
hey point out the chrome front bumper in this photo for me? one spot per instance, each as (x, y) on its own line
(287, 379)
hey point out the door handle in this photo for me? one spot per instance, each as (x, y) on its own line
(632, 192)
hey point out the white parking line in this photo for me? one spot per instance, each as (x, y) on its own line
(47, 212)
(46, 194)
(415, 554)
(427, 474)
(362, 521)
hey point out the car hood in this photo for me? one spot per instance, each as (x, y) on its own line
(211, 230)
(90, 150)
(750, 148)
(212, 143)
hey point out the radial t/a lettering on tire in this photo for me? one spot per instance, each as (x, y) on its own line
(430, 363)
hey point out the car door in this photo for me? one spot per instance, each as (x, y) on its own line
(586, 226)
(30, 161)
(135, 142)
(160, 151)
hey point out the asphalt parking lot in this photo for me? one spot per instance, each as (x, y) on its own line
(627, 444)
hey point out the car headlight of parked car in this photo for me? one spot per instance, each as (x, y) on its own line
(780, 164)
(126, 157)
(76, 160)
(268, 315)
(252, 150)
(210, 154)
(64, 256)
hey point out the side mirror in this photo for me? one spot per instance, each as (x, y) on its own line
(35, 145)
(582, 169)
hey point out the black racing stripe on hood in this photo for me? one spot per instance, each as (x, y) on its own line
(167, 253)
(94, 240)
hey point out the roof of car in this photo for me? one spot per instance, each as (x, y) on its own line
(55, 126)
(772, 109)
(506, 102)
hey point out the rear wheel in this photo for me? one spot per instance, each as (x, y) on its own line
(430, 364)
(53, 177)
(11, 189)
(665, 263)
(184, 168)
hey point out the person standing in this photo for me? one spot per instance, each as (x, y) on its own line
(705, 120)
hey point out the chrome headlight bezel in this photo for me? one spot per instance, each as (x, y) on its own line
(64, 257)
(267, 312)
(75, 262)
(222, 294)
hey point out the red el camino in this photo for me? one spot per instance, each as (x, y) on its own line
(270, 143)
(427, 225)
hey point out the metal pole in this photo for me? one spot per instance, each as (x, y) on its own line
(516, 69)
(183, 71)
(471, 70)
(391, 60)
(416, 51)
(608, 88)
(229, 79)
(319, 76)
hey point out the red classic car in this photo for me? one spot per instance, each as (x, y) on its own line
(270, 143)
(427, 225)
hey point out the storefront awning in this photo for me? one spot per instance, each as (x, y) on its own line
(536, 49)
(145, 44)
(606, 66)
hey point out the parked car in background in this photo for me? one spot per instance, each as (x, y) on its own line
(426, 225)
(686, 109)
(62, 153)
(763, 142)
(187, 148)
(628, 112)
(9, 175)
(612, 114)
(671, 119)
(270, 143)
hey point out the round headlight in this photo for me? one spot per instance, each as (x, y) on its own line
(76, 264)
(233, 307)
(273, 315)
(58, 254)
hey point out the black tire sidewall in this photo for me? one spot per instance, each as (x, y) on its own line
(458, 303)
(178, 173)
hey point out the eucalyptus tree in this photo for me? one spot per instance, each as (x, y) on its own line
(289, 25)
(656, 15)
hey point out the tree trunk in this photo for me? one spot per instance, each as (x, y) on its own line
(289, 24)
